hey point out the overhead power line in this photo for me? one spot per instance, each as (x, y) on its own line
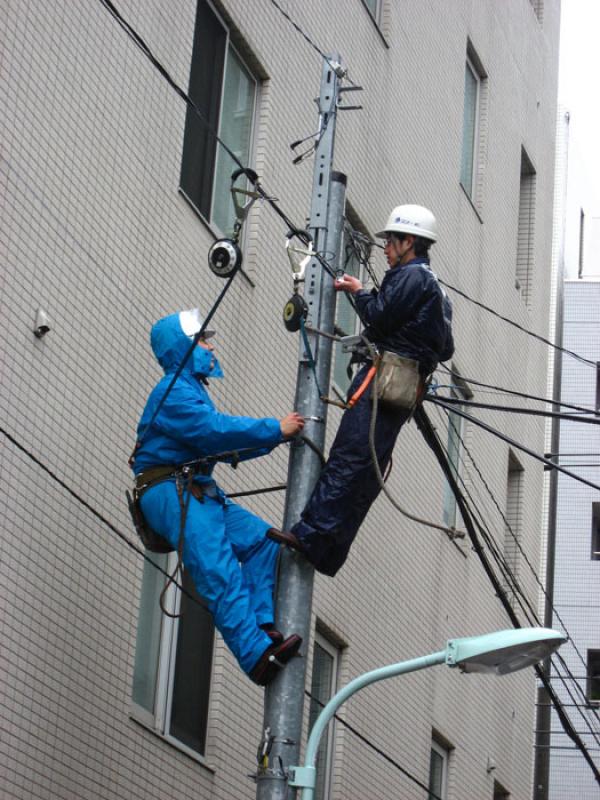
(513, 583)
(315, 47)
(524, 395)
(513, 442)
(433, 441)
(519, 327)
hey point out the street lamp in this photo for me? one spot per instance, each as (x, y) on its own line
(501, 652)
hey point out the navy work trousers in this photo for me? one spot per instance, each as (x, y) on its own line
(348, 484)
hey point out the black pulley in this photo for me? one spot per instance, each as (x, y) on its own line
(224, 257)
(294, 312)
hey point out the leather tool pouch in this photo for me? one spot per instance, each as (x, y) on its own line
(399, 383)
(150, 539)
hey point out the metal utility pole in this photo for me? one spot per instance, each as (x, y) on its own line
(284, 702)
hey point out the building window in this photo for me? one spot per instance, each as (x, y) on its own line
(597, 385)
(347, 322)
(514, 519)
(469, 127)
(538, 7)
(595, 554)
(323, 687)
(525, 230)
(453, 449)
(500, 792)
(374, 7)
(438, 771)
(593, 676)
(173, 661)
(225, 92)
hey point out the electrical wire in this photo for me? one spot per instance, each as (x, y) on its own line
(519, 327)
(432, 440)
(502, 390)
(339, 71)
(523, 553)
(376, 749)
(522, 600)
(526, 411)
(140, 551)
(512, 442)
(145, 49)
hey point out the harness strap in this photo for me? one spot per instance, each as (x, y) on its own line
(183, 480)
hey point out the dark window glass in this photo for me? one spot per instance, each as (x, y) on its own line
(595, 554)
(206, 81)
(191, 684)
(593, 676)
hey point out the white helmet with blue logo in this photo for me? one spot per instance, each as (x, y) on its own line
(416, 220)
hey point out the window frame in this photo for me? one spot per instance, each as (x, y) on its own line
(341, 391)
(471, 66)
(159, 721)
(332, 650)
(594, 702)
(444, 754)
(595, 537)
(209, 220)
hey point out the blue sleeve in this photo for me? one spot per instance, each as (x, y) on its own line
(194, 421)
(395, 303)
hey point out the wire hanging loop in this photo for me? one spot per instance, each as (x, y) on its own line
(243, 199)
(299, 255)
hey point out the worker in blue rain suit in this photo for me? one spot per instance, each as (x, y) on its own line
(227, 550)
(411, 316)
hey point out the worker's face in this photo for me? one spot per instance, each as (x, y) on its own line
(206, 344)
(398, 250)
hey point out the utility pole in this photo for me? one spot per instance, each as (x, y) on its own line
(284, 700)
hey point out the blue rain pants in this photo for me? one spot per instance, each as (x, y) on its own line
(229, 559)
(348, 484)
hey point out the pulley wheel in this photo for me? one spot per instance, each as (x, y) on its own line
(294, 312)
(224, 257)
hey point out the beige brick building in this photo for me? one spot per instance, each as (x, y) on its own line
(106, 224)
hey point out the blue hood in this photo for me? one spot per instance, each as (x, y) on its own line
(170, 345)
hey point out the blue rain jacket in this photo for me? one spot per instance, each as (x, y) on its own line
(226, 552)
(410, 315)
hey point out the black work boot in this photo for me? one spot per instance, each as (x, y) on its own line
(274, 659)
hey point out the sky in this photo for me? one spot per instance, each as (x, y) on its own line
(579, 84)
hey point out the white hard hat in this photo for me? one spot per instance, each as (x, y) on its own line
(416, 220)
(191, 322)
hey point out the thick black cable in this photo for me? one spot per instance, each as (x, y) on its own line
(512, 442)
(513, 582)
(428, 432)
(509, 528)
(378, 750)
(526, 411)
(502, 390)
(519, 327)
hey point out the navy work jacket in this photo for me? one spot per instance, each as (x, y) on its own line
(410, 315)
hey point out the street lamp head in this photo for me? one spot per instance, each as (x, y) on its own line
(503, 652)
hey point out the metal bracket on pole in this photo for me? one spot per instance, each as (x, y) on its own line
(284, 699)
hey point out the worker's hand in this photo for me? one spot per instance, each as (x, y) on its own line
(347, 283)
(292, 424)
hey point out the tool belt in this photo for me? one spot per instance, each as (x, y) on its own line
(399, 382)
(151, 540)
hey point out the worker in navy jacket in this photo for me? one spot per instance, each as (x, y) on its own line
(227, 550)
(409, 315)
